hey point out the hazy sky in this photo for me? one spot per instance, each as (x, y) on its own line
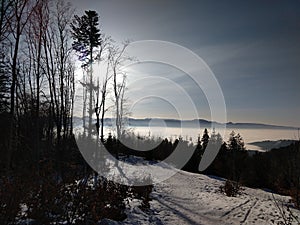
(252, 47)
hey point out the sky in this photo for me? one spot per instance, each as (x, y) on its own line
(251, 47)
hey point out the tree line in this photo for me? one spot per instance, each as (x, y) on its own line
(277, 169)
(37, 70)
(41, 41)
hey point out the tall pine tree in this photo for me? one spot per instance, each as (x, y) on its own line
(87, 38)
(86, 35)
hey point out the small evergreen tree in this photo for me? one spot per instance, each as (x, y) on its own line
(236, 142)
(216, 139)
(238, 154)
(205, 139)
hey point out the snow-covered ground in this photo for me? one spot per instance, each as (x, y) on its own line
(194, 199)
(188, 198)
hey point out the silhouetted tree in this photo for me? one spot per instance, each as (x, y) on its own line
(34, 32)
(215, 138)
(4, 83)
(59, 69)
(5, 15)
(41, 75)
(205, 139)
(87, 38)
(117, 58)
(238, 154)
(21, 11)
(102, 88)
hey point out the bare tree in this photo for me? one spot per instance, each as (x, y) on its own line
(103, 56)
(21, 13)
(59, 68)
(117, 59)
(35, 48)
(5, 16)
(37, 26)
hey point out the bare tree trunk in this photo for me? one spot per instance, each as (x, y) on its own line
(117, 59)
(97, 109)
(90, 86)
(84, 106)
(103, 111)
(16, 25)
(60, 77)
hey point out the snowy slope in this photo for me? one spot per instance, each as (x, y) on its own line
(189, 198)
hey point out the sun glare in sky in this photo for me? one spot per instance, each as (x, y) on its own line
(252, 48)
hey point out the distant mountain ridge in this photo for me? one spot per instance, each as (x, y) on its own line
(268, 145)
(258, 125)
(191, 123)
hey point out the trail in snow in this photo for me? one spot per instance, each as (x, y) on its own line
(196, 199)
(188, 198)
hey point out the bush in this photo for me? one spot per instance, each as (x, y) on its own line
(76, 203)
(11, 194)
(142, 192)
(230, 188)
(295, 194)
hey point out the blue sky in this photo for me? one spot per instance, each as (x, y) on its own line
(252, 47)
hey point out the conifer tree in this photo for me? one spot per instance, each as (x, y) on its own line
(87, 38)
(205, 139)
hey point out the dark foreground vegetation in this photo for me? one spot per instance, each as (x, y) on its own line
(43, 176)
(58, 187)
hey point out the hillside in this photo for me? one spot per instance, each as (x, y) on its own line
(188, 198)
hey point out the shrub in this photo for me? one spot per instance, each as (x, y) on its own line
(11, 195)
(295, 194)
(230, 188)
(76, 203)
